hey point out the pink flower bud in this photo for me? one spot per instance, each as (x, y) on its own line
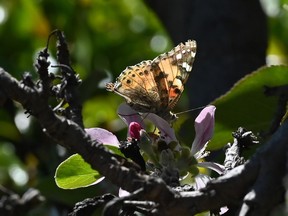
(134, 130)
(204, 128)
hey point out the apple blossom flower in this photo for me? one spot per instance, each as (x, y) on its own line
(184, 158)
(204, 128)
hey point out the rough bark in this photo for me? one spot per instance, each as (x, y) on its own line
(255, 188)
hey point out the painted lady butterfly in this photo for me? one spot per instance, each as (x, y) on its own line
(156, 86)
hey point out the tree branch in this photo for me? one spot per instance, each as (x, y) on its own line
(255, 187)
(70, 135)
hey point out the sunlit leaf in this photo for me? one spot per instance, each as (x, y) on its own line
(74, 172)
(246, 105)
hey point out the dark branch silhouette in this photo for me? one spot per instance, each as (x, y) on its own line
(253, 188)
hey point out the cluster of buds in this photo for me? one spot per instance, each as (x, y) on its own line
(159, 152)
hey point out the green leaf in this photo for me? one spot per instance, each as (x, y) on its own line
(74, 173)
(246, 105)
(115, 150)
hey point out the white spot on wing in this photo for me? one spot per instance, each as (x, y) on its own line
(193, 54)
(179, 56)
(186, 66)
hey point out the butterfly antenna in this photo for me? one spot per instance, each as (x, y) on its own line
(190, 110)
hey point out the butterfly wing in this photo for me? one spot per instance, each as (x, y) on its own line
(138, 86)
(156, 86)
(176, 66)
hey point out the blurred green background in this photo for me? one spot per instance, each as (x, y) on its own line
(104, 37)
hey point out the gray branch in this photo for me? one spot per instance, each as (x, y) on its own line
(255, 188)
